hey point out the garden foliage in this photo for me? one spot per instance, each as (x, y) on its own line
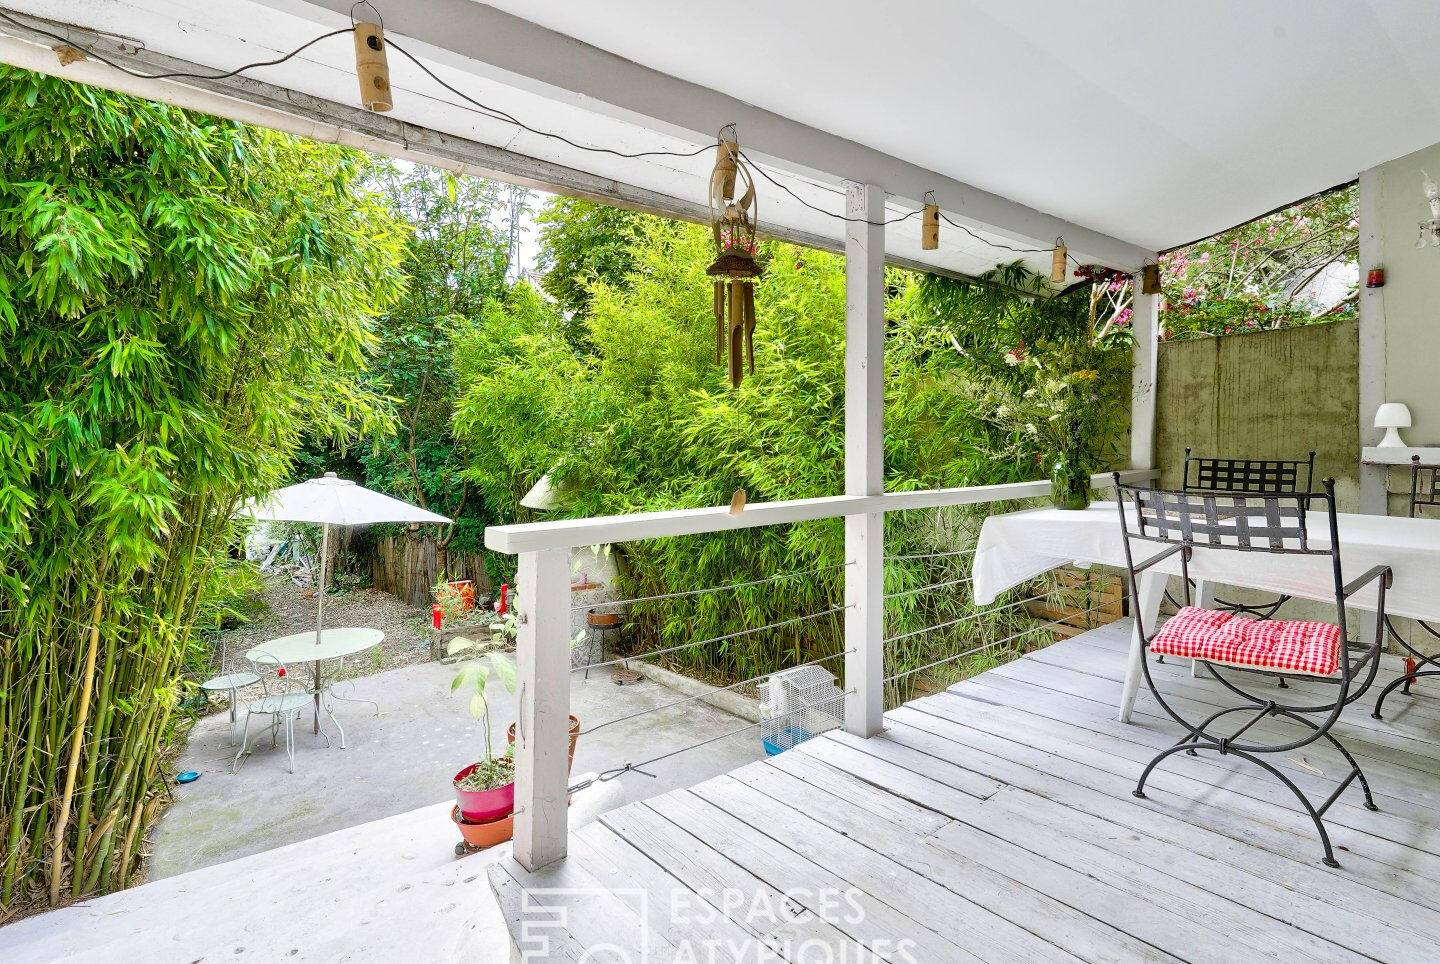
(180, 298)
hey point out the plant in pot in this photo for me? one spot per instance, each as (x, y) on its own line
(1062, 404)
(484, 790)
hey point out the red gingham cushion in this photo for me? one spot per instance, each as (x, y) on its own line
(1218, 637)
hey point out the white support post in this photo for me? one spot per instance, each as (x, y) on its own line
(864, 456)
(542, 656)
(1373, 478)
(1145, 324)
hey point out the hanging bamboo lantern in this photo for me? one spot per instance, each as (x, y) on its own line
(1150, 279)
(1057, 263)
(371, 67)
(732, 221)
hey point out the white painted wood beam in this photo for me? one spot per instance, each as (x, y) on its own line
(602, 530)
(490, 43)
(1373, 478)
(542, 732)
(1145, 326)
(864, 456)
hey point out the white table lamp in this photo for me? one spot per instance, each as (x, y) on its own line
(1392, 416)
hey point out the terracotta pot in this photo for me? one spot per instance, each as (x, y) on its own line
(484, 833)
(483, 804)
(574, 735)
(602, 620)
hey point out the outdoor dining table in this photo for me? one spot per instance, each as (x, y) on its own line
(1018, 546)
(302, 648)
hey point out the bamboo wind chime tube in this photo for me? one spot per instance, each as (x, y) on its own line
(372, 68)
(930, 228)
(1057, 263)
(719, 322)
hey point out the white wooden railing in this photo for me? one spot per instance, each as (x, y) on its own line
(543, 649)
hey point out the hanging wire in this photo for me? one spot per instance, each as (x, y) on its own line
(701, 696)
(496, 113)
(176, 74)
(607, 775)
(934, 555)
(699, 592)
(716, 639)
(997, 609)
(819, 210)
(992, 645)
(932, 586)
(501, 115)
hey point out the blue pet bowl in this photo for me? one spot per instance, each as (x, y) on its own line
(784, 740)
(189, 776)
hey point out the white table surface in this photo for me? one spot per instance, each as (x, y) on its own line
(1018, 546)
(334, 643)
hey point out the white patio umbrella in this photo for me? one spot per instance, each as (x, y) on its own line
(332, 501)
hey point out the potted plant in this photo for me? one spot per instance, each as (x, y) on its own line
(1062, 403)
(484, 790)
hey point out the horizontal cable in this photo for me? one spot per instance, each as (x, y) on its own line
(933, 555)
(992, 645)
(607, 775)
(933, 585)
(714, 639)
(997, 609)
(718, 689)
(701, 592)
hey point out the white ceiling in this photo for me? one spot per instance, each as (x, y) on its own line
(1154, 122)
(1146, 127)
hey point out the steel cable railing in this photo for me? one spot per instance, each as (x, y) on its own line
(701, 592)
(713, 639)
(991, 645)
(707, 694)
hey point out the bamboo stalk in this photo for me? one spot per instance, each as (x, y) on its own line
(57, 853)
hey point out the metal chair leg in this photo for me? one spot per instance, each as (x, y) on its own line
(244, 746)
(290, 737)
(1315, 815)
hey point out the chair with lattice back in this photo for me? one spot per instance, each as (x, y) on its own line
(1185, 523)
(1424, 493)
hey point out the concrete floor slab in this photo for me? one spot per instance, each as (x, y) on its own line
(406, 757)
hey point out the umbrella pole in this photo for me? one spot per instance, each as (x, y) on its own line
(320, 617)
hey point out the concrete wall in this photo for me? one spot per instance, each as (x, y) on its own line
(1273, 394)
(1400, 323)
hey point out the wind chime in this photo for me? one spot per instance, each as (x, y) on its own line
(732, 221)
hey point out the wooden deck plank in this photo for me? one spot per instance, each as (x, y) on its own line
(994, 822)
(951, 915)
(709, 878)
(693, 929)
(1246, 840)
(879, 924)
(1399, 821)
(847, 804)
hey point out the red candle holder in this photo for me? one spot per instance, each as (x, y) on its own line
(1375, 278)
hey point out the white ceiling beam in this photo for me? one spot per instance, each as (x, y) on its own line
(251, 101)
(486, 42)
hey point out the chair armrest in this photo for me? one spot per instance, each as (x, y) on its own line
(1356, 585)
(1141, 567)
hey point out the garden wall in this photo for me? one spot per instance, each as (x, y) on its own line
(1271, 394)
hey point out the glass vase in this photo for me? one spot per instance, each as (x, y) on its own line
(1070, 484)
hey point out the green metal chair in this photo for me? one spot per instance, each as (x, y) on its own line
(282, 701)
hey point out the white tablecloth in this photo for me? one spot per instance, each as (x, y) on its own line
(1021, 545)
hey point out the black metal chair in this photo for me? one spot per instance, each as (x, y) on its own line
(1211, 523)
(1249, 477)
(1424, 491)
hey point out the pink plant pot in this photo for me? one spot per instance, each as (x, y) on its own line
(481, 805)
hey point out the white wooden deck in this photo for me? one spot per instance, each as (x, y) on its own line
(994, 822)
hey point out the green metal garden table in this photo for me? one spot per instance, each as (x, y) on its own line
(304, 648)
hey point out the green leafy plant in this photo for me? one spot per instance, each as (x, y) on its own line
(482, 657)
(181, 298)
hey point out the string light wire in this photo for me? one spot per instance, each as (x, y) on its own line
(496, 113)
